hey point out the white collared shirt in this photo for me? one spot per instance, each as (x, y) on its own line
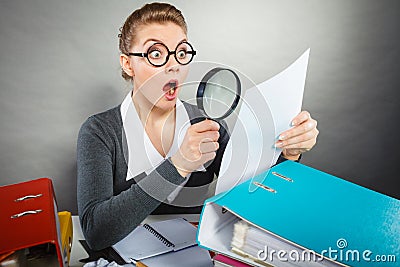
(142, 155)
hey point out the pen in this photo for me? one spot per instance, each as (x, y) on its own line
(138, 263)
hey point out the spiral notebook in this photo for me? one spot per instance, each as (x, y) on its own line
(149, 240)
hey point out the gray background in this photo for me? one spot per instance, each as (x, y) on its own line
(59, 64)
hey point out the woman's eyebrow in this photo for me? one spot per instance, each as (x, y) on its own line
(153, 40)
(159, 41)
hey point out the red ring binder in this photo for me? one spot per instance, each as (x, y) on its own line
(29, 219)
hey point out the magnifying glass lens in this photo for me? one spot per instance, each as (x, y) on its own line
(221, 91)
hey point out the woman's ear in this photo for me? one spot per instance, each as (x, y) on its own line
(125, 62)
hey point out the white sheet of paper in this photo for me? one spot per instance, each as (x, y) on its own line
(267, 111)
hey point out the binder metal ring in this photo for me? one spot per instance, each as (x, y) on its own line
(282, 176)
(265, 187)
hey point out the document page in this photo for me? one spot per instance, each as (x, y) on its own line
(266, 111)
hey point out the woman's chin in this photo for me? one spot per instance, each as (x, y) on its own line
(166, 105)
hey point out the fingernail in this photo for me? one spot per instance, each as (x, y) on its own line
(278, 144)
(282, 137)
(293, 123)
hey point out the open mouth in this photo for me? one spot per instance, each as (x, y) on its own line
(170, 87)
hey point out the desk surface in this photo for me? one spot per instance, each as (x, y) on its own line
(78, 251)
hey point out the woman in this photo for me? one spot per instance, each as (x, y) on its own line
(130, 163)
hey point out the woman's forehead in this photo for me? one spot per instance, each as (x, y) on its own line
(168, 33)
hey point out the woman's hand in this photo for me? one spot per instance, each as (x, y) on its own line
(300, 138)
(199, 146)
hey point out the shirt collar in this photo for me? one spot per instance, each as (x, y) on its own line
(142, 155)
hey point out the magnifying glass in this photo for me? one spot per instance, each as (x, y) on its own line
(218, 93)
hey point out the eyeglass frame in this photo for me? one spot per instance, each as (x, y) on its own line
(146, 55)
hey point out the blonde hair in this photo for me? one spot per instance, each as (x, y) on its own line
(149, 13)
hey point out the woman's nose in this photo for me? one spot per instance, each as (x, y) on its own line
(172, 65)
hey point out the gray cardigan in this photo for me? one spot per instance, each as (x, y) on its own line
(110, 207)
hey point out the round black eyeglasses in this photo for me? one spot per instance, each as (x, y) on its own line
(158, 54)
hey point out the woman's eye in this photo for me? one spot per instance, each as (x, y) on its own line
(181, 54)
(155, 54)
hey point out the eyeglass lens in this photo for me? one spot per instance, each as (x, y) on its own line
(158, 54)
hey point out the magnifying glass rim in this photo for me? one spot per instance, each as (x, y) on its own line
(202, 86)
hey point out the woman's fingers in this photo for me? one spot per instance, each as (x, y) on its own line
(301, 117)
(304, 146)
(304, 127)
(199, 146)
(208, 147)
(301, 137)
(204, 126)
